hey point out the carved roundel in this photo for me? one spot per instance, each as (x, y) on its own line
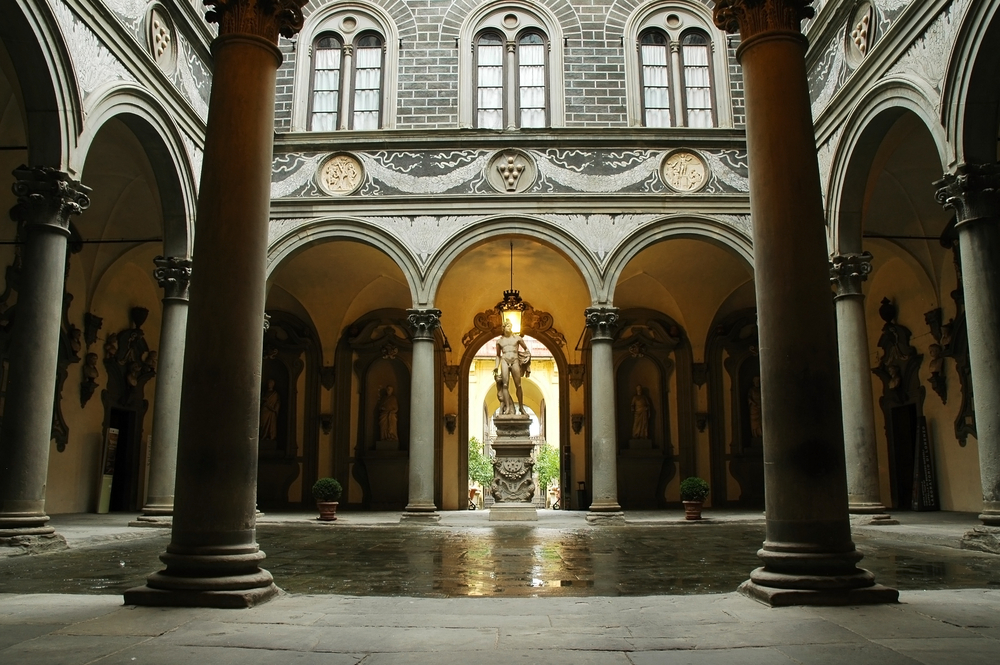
(511, 171)
(684, 171)
(860, 33)
(161, 38)
(341, 174)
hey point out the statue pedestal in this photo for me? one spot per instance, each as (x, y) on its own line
(513, 487)
(640, 444)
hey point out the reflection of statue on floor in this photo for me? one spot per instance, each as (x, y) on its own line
(270, 405)
(388, 416)
(640, 415)
(513, 360)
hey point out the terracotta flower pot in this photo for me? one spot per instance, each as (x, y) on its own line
(692, 510)
(327, 510)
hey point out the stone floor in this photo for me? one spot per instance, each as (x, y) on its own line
(557, 591)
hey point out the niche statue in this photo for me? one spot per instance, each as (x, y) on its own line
(640, 414)
(388, 416)
(270, 405)
(513, 360)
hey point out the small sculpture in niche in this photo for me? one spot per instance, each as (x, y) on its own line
(936, 366)
(270, 406)
(640, 414)
(388, 416)
(513, 360)
(111, 346)
(753, 409)
(89, 384)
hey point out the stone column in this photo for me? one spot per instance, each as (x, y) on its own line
(808, 554)
(847, 272)
(510, 85)
(604, 446)
(45, 200)
(213, 558)
(422, 416)
(173, 273)
(973, 192)
(347, 85)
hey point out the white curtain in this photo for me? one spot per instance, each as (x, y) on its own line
(697, 86)
(489, 102)
(367, 87)
(531, 79)
(655, 84)
(326, 90)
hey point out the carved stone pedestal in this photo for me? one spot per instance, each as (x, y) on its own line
(513, 488)
(982, 539)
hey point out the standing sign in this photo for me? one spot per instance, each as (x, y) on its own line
(108, 470)
(925, 490)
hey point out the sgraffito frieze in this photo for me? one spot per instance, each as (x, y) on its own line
(552, 171)
(93, 63)
(927, 58)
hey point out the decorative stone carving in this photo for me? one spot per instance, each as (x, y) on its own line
(91, 325)
(972, 191)
(576, 375)
(684, 171)
(341, 175)
(388, 416)
(512, 468)
(601, 321)
(47, 197)
(423, 322)
(451, 376)
(577, 420)
(327, 376)
(70, 347)
(173, 274)
(860, 34)
(261, 18)
(89, 383)
(533, 322)
(450, 422)
(389, 351)
(848, 271)
(160, 39)
(511, 171)
(753, 17)
(512, 479)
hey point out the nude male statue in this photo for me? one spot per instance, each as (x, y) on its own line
(513, 360)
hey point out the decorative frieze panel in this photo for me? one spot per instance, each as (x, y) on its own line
(552, 171)
(93, 63)
(928, 57)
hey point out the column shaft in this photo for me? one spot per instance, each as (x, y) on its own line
(173, 274)
(46, 199)
(422, 415)
(213, 557)
(604, 445)
(808, 554)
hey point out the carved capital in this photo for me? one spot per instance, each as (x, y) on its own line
(348, 50)
(261, 18)
(972, 191)
(47, 197)
(174, 275)
(753, 17)
(511, 46)
(423, 322)
(602, 322)
(847, 271)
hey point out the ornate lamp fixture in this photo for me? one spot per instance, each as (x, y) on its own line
(511, 307)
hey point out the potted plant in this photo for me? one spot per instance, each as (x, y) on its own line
(327, 492)
(693, 493)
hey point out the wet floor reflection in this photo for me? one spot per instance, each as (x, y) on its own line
(508, 561)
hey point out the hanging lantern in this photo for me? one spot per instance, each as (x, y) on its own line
(511, 307)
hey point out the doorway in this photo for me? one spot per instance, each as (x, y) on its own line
(128, 455)
(904, 441)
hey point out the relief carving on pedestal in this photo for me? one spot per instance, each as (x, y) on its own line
(512, 479)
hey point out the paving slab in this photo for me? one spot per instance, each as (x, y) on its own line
(13, 634)
(889, 621)
(839, 654)
(744, 656)
(65, 649)
(967, 651)
(152, 653)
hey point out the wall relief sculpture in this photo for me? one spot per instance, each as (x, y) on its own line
(533, 322)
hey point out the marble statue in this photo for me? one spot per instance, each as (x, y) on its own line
(513, 361)
(270, 405)
(640, 414)
(388, 416)
(753, 409)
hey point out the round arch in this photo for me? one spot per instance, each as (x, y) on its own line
(152, 126)
(855, 153)
(498, 227)
(699, 228)
(44, 69)
(970, 101)
(327, 229)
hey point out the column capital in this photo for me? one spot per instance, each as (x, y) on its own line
(174, 275)
(261, 18)
(972, 191)
(601, 321)
(753, 17)
(423, 322)
(47, 197)
(348, 50)
(847, 271)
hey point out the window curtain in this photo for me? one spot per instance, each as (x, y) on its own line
(325, 85)
(367, 83)
(489, 82)
(697, 84)
(655, 80)
(531, 80)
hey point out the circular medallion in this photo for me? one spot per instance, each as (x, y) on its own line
(511, 21)
(511, 171)
(673, 21)
(684, 171)
(160, 39)
(348, 24)
(340, 175)
(860, 34)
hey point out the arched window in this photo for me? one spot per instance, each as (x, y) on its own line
(347, 82)
(696, 58)
(654, 65)
(367, 83)
(324, 104)
(489, 81)
(531, 80)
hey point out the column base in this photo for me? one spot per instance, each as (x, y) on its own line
(602, 517)
(873, 519)
(863, 508)
(419, 516)
(158, 510)
(513, 512)
(990, 516)
(155, 521)
(779, 597)
(15, 542)
(982, 539)
(226, 599)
